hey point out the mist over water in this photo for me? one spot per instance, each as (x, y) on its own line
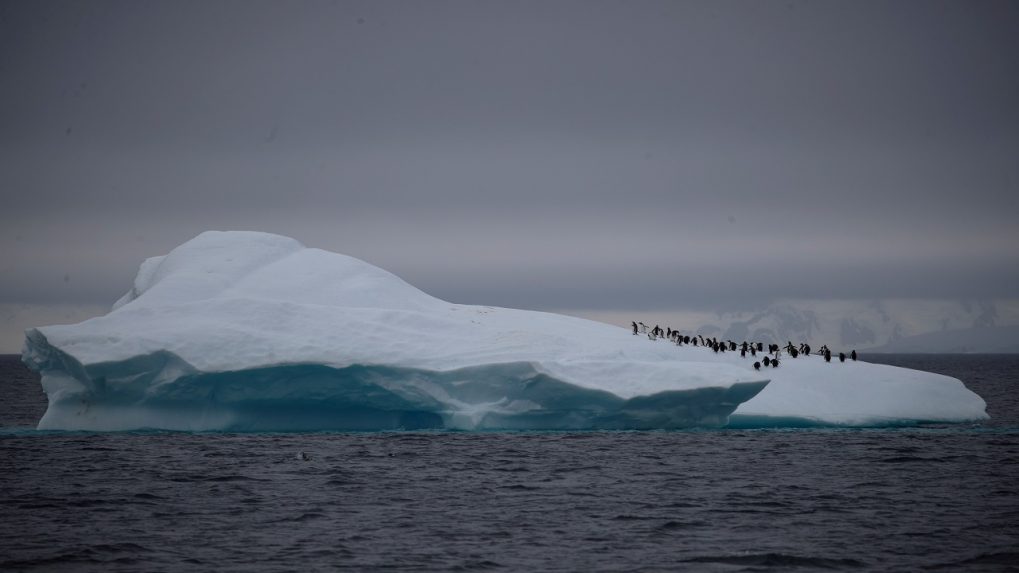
(939, 497)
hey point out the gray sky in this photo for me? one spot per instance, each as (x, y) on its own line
(550, 155)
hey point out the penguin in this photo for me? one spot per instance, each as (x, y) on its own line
(853, 355)
(757, 365)
(827, 356)
(732, 345)
(753, 351)
(767, 361)
(774, 362)
(793, 352)
(842, 356)
(634, 328)
(743, 353)
(760, 347)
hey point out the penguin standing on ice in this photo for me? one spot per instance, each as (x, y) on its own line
(842, 356)
(757, 365)
(767, 361)
(743, 353)
(827, 355)
(774, 362)
(634, 328)
(853, 355)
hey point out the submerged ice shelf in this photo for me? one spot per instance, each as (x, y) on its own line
(253, 331)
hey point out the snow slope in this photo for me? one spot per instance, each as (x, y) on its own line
(252, 331)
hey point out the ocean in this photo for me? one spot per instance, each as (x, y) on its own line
(922, 498)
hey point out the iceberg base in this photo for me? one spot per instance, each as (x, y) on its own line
(306, 397)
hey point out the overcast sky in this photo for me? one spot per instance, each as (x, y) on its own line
(549, 155)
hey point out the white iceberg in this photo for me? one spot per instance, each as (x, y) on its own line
(253, 331)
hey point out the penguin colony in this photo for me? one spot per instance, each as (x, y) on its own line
(770, 359)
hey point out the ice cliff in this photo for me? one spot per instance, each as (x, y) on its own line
(253, 331)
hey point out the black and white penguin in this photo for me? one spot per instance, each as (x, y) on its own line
(757, 365)
(842, 356)
(767, 361)
(853, 355)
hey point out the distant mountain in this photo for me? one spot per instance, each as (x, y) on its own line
(990, 340)
(876, 325)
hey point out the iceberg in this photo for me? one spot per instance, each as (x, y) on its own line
(253, 331)
(246, 331)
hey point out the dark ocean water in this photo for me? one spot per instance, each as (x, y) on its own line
(938, 498)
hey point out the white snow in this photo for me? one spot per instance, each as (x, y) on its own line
(244, 330)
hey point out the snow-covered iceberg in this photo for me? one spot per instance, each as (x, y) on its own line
(253, 331)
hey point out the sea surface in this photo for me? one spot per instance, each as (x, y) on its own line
(925, 498)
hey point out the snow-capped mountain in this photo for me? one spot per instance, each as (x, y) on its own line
(870, 324)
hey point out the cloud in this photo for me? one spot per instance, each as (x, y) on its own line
(584, 155)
